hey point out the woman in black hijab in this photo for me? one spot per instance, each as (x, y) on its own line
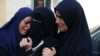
(74, 36)
(42, 31)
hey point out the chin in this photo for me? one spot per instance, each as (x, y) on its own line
(61, 30)
(23, 34)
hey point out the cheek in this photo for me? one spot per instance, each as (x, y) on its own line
(21, 27)
(29, 25)
(61, 24)
(65, 28)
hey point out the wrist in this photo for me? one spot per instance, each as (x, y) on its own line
(28, 49)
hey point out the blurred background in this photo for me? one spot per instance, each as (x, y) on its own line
(9, 7)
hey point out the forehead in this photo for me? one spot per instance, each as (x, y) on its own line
(27, 18)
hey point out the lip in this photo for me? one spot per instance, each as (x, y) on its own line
(59, 26)
(25, 31)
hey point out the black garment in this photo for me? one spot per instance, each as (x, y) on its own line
(43, 27)
(3, 52)
(76, 41)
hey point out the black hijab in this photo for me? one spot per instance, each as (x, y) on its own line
(43, 27)
(76, 41)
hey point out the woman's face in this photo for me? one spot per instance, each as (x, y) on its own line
(24, 26)
(62, 27)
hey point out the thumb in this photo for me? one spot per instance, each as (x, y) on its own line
(29, 39)
(53, 49)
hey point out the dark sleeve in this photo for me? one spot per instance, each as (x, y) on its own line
(28, 53)
(50, 42)
(3, 52)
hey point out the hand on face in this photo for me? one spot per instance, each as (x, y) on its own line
(26, 44)
(48, 52)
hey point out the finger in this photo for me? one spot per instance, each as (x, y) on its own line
(47, 50)
(53, 49)
(20, 44)
(44, 54)
(24, 41)
(29, 39)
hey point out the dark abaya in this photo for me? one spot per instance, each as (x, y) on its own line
(43, 28)
(76, 41)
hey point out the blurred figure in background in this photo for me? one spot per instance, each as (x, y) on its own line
(40, 3)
